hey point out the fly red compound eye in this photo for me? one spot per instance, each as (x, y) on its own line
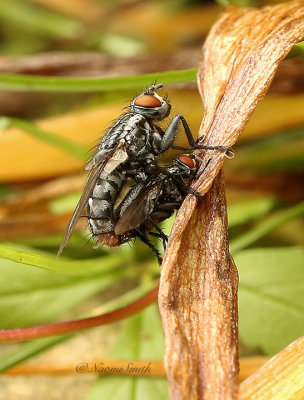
(147, 100)
(186, 160)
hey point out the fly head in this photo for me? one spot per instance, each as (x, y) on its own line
(151, 105)
(188, 164)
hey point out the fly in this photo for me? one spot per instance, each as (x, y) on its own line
(128, 150)
(149, 203)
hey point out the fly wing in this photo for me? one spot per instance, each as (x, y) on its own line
(89, 187)
(119, 156)
(87, 191)
(114, 157)
(138, 211)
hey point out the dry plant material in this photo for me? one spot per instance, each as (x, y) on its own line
(29, 199)
(281, 378)
(146, 368)
(197, 295)
(86, 10)
(284, 184)
(156, 368)
(164, 30)
(198, 314)
(34, 225)
(249, 365)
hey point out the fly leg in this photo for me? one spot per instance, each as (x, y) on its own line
(195, 143)
(188, 189)
(159, 236)
(144, 238)
(170, 134)
(160, 233)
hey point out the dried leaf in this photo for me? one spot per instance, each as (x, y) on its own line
(247, 367)
(198, 283)
(281, 378)
(88, 11)
(34, 225)
(199, 303)
(26, 158)
(163, 30)
(285, 185)
(28, 199)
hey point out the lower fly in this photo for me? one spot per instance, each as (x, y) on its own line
(151, 202)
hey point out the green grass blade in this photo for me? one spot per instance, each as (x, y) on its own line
(27, 83)
(62, 265)
(297, 51)
(266, 227)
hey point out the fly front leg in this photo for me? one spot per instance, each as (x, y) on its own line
(169, 135)
(171, 132)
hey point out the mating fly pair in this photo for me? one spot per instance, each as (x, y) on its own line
(127, 152)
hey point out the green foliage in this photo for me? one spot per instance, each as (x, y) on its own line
(280, 152)
(29, 350)
(63, 266)
(248, 210)
(33, 295)
(64, 204)
(240, 3)
(120, 45)
(141, 338)
(271, 301)
(297, 51)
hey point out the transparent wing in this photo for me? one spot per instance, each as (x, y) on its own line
(87, 191)
(89, 187)
(138, 211)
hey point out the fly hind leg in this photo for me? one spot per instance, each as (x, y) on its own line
(160, 234)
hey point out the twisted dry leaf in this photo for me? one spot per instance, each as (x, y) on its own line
(197, 295)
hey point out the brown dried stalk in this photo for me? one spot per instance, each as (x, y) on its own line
(248, 366)
(199, 313)
(197, 295)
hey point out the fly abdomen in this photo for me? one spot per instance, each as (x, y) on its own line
(101, 203)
